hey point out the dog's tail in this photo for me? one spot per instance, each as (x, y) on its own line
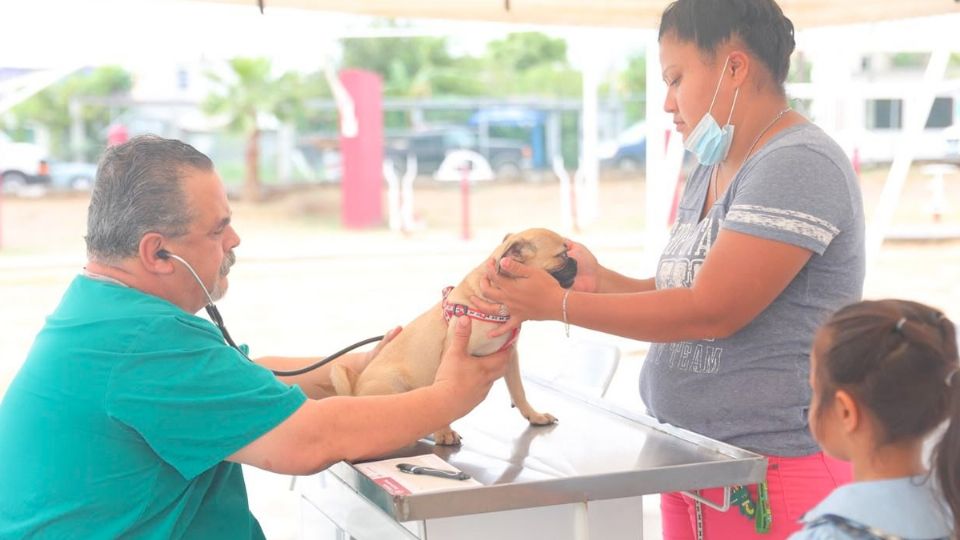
(344, 380)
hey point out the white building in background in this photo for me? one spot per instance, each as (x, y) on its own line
(887, 104)
(870, 85)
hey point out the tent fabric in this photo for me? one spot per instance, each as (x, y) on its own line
(610, 13)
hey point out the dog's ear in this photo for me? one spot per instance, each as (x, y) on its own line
(505, 237)
(521, 250)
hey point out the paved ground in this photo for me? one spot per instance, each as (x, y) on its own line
(303, 286)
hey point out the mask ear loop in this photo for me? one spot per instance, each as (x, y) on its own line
(717, 91)
(736, 94)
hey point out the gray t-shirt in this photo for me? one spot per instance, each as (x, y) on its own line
(751, 389)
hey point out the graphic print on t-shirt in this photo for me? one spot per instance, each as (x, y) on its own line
(799, 190)
(681, 260)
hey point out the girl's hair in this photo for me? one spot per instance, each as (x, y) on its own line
(760, 24)
(899, 359)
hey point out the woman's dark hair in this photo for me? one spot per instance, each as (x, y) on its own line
(760, 24)
(899, 359)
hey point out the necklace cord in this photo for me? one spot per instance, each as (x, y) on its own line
(716, 168)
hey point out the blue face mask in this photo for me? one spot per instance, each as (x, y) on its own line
(708, 142)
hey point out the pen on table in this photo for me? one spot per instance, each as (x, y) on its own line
(410, 468)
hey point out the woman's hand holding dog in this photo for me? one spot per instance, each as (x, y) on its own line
(588, 269)
(528, 293)
(468, 378)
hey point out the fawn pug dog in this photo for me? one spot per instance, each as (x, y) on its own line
(411, 359)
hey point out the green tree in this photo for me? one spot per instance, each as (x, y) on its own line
(909, 60)
(633, 88)
(953, 66)
(248, 90)
(50, 108)
(527, 63)
(530, 64)
(524, 50)
(413, 66)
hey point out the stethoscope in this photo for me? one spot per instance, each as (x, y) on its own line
(217, 319)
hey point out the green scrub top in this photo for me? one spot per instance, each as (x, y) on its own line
(119, 421)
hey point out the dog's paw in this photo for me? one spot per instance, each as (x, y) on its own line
(542, 419)
(446, 437)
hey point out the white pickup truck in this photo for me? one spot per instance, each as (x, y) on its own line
(22, 165)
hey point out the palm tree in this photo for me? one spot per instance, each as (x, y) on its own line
(248, 91)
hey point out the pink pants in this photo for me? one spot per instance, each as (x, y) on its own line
(794, 485)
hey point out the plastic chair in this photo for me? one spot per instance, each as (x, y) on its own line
(588, 367)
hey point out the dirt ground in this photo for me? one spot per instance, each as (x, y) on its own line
(294, 242)
(54, 223)
(305, 283)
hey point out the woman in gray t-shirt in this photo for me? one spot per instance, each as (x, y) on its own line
(769, 240)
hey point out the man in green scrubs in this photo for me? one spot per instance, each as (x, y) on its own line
(130, 417)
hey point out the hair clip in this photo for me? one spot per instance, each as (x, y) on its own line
(949, 378)
(899, 327)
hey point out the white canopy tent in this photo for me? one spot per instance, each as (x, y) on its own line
(618, 13)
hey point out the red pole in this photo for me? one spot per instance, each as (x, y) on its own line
(362, 156)
(465, 201)
(1, 215)
(675, 203)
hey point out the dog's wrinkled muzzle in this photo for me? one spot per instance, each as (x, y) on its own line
(566, 273)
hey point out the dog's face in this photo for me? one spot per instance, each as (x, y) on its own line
(541, 248)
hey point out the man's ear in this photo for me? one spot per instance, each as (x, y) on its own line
(847, 410)
(150, 246)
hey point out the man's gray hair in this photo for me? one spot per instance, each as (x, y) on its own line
(139, 190)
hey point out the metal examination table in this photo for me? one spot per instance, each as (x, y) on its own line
(581, 478)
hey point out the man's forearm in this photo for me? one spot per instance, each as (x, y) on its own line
(315, 384)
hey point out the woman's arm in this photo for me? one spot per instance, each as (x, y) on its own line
(740, 277)
(593, 277)
(613, 282)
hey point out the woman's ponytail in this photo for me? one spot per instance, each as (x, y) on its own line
(946, 456)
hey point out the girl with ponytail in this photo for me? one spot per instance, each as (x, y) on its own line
(885, 376)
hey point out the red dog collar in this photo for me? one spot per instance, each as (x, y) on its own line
(459, 310)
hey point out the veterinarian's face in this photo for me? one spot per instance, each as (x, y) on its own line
(540, 248)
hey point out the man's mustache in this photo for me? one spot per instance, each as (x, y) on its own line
(228, 261)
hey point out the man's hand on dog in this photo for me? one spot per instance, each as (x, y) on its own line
(528, 293)
(469, 377)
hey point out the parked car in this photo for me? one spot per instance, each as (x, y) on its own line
(508, 158)
(628, 152)
(72, 175)
(22, 165)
